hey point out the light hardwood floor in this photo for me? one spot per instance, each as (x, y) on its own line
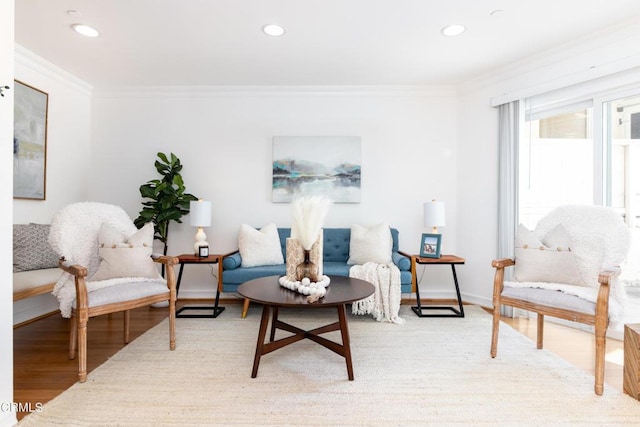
(575, 346)
(42, 369)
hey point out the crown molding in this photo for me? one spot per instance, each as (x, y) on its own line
(275, 91)
(35, 62)
(606, 52)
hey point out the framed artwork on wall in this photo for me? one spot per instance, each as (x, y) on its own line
(329, 166)
(29, 142)
(430, 245)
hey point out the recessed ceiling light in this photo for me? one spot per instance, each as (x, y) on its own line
(74, 13)
(85, 30)
(273, 30)
(453, 30)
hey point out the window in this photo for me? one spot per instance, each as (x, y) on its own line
(584, 151)
(556, 161)
(621, 133)
(622, 137)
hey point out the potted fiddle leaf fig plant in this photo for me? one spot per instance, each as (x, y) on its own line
(166, 198)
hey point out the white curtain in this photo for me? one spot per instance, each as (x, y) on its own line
(508, 133)
(508, 116)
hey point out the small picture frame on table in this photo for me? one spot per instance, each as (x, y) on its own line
(430, 245)
(203, 251)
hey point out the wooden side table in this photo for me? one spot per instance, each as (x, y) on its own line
(194, 259)
(451, 260)
(631, 368)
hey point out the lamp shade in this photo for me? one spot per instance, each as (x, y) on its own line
(434, 214)
(200, 213)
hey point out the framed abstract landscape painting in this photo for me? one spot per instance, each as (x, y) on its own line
(29, 142)
(327, 166)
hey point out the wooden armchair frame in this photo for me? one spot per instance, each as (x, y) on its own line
(81, 313)
(600, 320)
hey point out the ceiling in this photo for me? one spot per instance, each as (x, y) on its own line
(327, 42)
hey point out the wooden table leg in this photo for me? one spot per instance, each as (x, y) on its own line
(261, 335)
(346, 344)
(274, 320)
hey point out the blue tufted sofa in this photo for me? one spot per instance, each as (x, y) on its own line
(335, 256)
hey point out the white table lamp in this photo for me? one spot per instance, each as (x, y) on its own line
(434, 215)
(200, 216)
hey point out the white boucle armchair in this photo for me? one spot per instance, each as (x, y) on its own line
(568, 268)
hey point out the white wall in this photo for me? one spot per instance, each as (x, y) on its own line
(477, 194)
(68, 124)
(224, 139)
(7, 418)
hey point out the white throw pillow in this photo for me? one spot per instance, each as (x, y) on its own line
(549, 260)
(370, 244)
(260, 247)
(558, 238)
(122, 256)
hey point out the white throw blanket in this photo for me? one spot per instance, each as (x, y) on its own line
(74, 236)
(384, 304)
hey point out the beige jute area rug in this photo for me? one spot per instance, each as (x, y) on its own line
(427, 371)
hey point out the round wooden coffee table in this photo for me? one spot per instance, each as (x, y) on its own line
(268, 292)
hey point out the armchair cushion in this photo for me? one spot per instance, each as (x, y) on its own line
(260, 247)
(123, 292)
(548, 260)
(551, 298)
(122, 256)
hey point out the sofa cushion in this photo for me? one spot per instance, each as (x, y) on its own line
(336, 269)
(370, 244)
(122, 256)
(235, 260)
(126, 292)
(31, 249)
(260, 247)
(241, 275)
(335, 246)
